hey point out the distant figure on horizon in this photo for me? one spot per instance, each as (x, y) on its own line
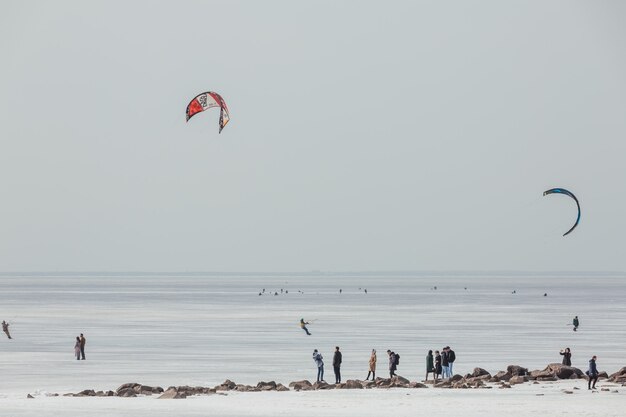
(438, 367)
(444, 363)
(319, 361)
(5, 329)
(545, 294)
(430, 365)
(82, 346)
(337, 365)
(393, 363)
(567, 357)
(77, 348)
(303, 326)
(514, 292)
(340, 290)
(451, 359)
(365, 290)
(592, 373)
(575, 323)
(372, 366)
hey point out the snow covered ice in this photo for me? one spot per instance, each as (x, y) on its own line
(202, 329)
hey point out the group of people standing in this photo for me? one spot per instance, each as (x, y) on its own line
(319, 361)
(394, 361)
(441, 364)
(79, 347)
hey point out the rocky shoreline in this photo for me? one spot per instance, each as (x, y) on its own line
(478, 379)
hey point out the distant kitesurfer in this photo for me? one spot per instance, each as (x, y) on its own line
(5, 329)
(303, 326)
(576, 323)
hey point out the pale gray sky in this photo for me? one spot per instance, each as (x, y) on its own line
(363, 136)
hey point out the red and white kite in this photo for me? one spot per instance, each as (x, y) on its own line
(205, 101)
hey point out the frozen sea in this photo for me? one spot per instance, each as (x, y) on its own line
(201, 329)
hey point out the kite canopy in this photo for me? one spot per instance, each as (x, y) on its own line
(567, 193)
(205, 101)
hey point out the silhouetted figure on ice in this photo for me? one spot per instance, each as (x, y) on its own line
(5, 329)
(575, 323)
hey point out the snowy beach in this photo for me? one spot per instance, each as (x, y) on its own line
(203, 329)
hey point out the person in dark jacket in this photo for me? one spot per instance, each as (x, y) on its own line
(451, 359)
(575, 323)
(392, 363)
(430, 365)
(337, 365)
(592, 373)
(82, 346)
(438, 368)
(444, 363)
(567, 357)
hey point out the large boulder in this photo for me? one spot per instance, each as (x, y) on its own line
(519, 379)
(322, 386)
(303, 385)
(501, 376)
(619, 376)
(126, 393)
(353, 384)
(130, 385)
(455, 378)
(172, 393)
(417, 385)
(516, 370)
(479, 372)
(266, 386)
(561, 371)
(399, 382)
(281, 387)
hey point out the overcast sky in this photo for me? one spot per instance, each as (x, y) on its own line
(364, 135)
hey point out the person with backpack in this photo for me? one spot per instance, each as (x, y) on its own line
(592, 373)
(393, 363)
(430, 366)
(337, 365)
(451, 359)
(319, 361)
(444, 363)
